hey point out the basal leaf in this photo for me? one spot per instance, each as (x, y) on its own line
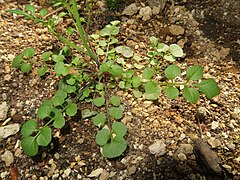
(136, 81)
(46, 55)
(71, 109)
(119, 128)
(59, 120)
(176, 50)
(116, 112)
(171, 92)
(209, 87)
(59, 98)
(30, 8)
(30, 146)
(115, 148)
(191, 94)
(45, 136)
(169, 58)
(137, 93)
(115, 100)
(194, 72)
(172, 71)
(29, 127)
(43, 12)
(29, 52)
(116, 70)
(99, 120)
(45, 109)
(148, 73)
(100, 101)
(42, 71)
(25, 67)
(17, 61)
(103, 137)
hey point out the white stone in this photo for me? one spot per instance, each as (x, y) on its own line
(8, 130)
(158, 148)
(213, 142)
(145, 13)
(7, 157)
(66, 173)
(214, 125)
(3, 111)
(182, 157)
(130, 10)
(176, 30)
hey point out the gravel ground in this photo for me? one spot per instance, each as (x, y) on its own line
(168, 127)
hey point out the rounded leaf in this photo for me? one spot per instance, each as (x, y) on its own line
(194, 72)
(99, 101)
(17, 61)
(30, 146)
(125, 51)
(42, 71)
(116, 112)
(176, 50)
(116, 70)
(115, 100)
(119, 128)
(137, 93)
(103, 137)
(25, 67)
(46, 55)
(170, 58)
(45, 136)
(59, 120)
(71, 109)
(209, 87)
(99, 120)
(148, 73)
(45, 109)
(171, 92)
(29, 52)
(136, 81)
(172, 71)
(29, 127)
(191, 94)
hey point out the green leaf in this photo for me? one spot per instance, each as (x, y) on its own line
(20, 12)
(171, 92)
(45, 109)
(76, 61)
(87, 113)
(61, 69)
(176, 50)
(119, 128)
(116, 70)
(115, 148)
(99, 51)
(121, 84)
(29, 52)
(115, 100)
(194, 72)
(71, 80)
(191, 94)
(43, 12)
(59, 98)
(209, 87)
(103, 137)
(172, 71)
(71, 89)
(45, 136)
(116, 112)
(58, 58)
(115, 22)
(102, 43)
(25, 67)
(152, 90)
(162, 47)
(129, 73)
(137, 93)
(148, 73)
(29, 127)
(30, 8)
(46, 55)
(109, 30)
(100, 101)
(59, 120)
(170, 58)
(125, 51)
(99, 120)
(154, 40)
(30, 146)
(69, 31)
(17, 61)
(100, 86)
(71, 109)
(136, 81)
(42, 71)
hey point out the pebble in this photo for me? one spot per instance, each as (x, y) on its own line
(66, 173)
(158, 148)
(105, 175)
(131, 170)
(182, 136)
(214, 125)
(8, 130)
(130, 10)
(182, 157)
(3, 111)
(185, 149)
(145, 13)
(213, 142)
(7, 157)
(176, 30)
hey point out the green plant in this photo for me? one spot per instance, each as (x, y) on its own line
(113, 4)
(110, 66)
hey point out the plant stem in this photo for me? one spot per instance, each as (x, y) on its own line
(82, 34)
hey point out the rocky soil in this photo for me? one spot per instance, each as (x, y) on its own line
(163, 135)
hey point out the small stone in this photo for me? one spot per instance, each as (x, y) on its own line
(227, 167)
(96, 172)
(185, 149)
(18, 152)
(158, 148)
(145, 13)
(66, 173)
(176, 30)
(155, 10)
(8, 130)
(130, 10)
(7, 157)
(7, 77)
(214, 125)
(182, 157)
(104, 176)
(214, 142)
(179, 120)
(131, 170)
(182, 136)
(3, 111)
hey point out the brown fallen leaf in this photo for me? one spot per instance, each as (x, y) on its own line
(14, 173)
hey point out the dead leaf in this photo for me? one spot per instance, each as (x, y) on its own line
(14, 173)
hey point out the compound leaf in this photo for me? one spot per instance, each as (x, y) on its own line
(209, 87)
(172, 71)
(29, 127)
(171, 92)
(194, 72)
(191, 94)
